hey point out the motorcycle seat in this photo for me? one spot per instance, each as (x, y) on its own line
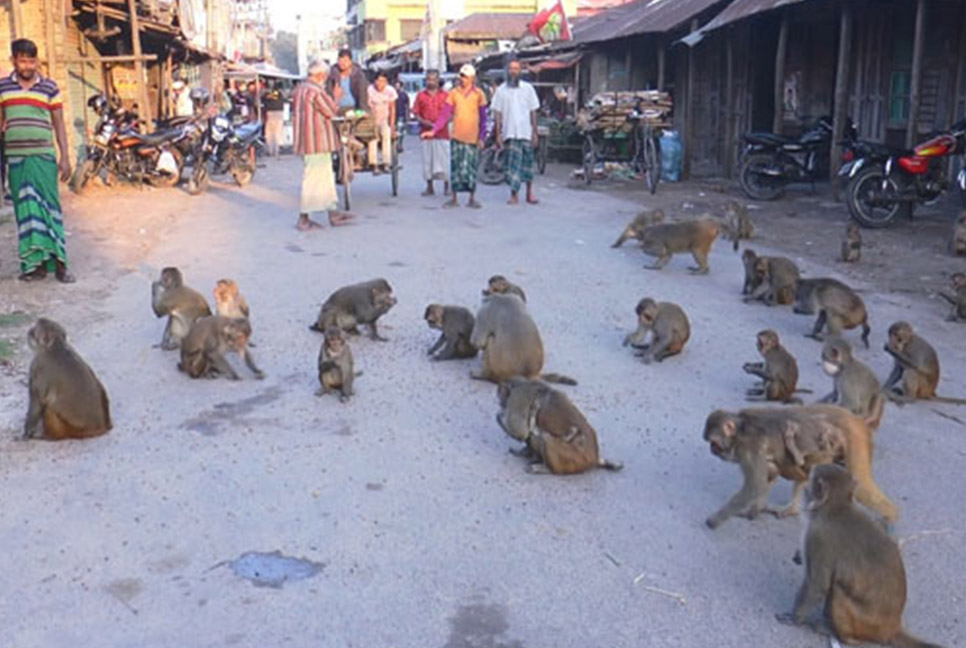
(160, 136)
(768, 139)
(246, 130)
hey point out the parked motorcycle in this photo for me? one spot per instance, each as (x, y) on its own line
(224, 148)
(117, 150)
(885, 182)
(770, 162)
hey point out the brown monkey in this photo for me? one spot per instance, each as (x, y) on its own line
(739, 220)
(182, 305)
(855, 386)
(669, 328)
(64, 393)
(456, 324)
(635, 229)
(958, 244)
(510, 342)
(750, 260)
(778, 373)
(500, 285)
(837, 305)
(558, 438)
(210, 338)
(776, 279)
(336, 367)
(852, 245)
(756, 439)
(229, 302)
(958, 312)
(852, 565)
(916, 366)
(666, 239)
(361, 303)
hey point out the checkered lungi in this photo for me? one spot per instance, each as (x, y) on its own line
(464, 165)
(519, 163)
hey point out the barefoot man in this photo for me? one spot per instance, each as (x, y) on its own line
(516, 104)
(315, 139)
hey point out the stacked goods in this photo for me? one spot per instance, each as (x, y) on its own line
(610, 111)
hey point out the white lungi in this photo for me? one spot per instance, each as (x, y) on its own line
(318, 184)
(435, 159)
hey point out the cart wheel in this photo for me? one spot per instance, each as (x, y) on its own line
(395, 169)
(345, 173)
(589, 159)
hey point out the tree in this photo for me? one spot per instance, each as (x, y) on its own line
(285, 51)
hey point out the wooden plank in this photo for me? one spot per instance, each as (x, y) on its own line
(110, 59)
(915, 83)
(689, 110)
(729, 134)
(840, 109)
(780, 54)
(144, 107)
(17, 15)
(51, 41)
(661, 66)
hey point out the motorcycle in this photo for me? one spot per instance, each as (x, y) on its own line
(225, 149)
(117, 150)
(770, 162)
(885, 182)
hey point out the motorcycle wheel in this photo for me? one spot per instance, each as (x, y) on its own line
(243, 167)
(82, 176)
(491, 167)
(168, 180)
(542, 152)
(755, 183)
(860, 189)
(198, 182)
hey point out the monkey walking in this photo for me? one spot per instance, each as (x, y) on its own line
(916, 366)
(456, 326)
(336, 366)
(558, 438)
(667, 239)
(64, 393)
(852, 566)
(837, 305)
(852, 245)
(668, 326)
(635, 229)
(778, 372)
(350, 306)
(958, 299)
(181, 304)
(500, 285)
(210, 338)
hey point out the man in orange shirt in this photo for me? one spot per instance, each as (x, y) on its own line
(466, 105)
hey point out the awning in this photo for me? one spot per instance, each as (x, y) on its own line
(639, 17)
(249, 71)
(562, 62)
(737, 10)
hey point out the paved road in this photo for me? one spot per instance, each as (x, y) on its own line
(428, 532)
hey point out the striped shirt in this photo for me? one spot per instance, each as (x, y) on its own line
(313, 110)
(28, 124)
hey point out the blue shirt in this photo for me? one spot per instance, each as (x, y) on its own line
(347, 100)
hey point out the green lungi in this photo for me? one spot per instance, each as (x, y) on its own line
(519, 163)
(36, 204)
(464, 164)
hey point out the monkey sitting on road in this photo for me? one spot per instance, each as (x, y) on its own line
(916, 366)
(855, 386)
(510, 342)
(229, 301)
(500, 285)
(837, 305)
(750, 261)
(210, 338)
(853, 568)
(757, 440)
(852, 245)
(456, 324)
(635, 229)
(776, 279)
(666, 239)
(958, 300)
(336, 367)
(958, 243)
(361, 303)
(182, 305)
(668, 326)
(64, 393)
(739, 221)
(778, 373)
(558, 438)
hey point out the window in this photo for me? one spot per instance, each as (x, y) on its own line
(410, 29)
(900, 81)
(375, 31)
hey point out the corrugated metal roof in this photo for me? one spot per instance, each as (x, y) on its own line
(639, 17)
(490, 26)
(740, 9)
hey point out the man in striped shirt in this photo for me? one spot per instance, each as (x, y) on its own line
(315, 140)
(31, 115)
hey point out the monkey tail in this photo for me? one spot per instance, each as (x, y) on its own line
(858, 459)
(804, 390)
(878, 408)
(613, 466)
(903, 640)
(947, 298)
(560, 379)
(866, 329)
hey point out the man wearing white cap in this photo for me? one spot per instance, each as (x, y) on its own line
(467, 107)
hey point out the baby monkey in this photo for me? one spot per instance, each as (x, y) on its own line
(456, 326)
(668, 326)
(778, 373)
(336, 370)
(958, 298)
(500, 285)
(852, 245)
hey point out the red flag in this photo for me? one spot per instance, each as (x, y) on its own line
(551, 24)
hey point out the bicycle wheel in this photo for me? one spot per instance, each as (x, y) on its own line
(345, 174)
(395, 168)
(652, 163)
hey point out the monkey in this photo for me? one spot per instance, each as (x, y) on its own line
(361, 303)
(855, 386)
(666, 239)
(958, 242)
(669, 328)
(837, 305)
(852, 565)
(229, 301)
(755, 439)
(456, 324)
(739, 220)
(958, 312)
(635, 229)
(210, 338)
(499, 285)
(852, 245)
(182, 305)
(915, 373)
(558, 438)
(64, 393)
(336, 367)
(749, 259)
(778, 373)
(510, 342)
(776, 279)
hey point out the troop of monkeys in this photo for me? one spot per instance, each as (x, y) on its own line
(851, 562)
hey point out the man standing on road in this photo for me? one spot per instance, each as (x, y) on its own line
(382, 104)
(274, 106)
(429, 106)
(467, 106)
(516, 104)
(31, 116)
(315, 139)
(350, 78)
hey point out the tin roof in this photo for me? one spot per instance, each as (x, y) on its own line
(489, 26)
(639, 17)
(740, 9)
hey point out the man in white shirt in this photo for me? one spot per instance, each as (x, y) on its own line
(182, 104)
(516, 104)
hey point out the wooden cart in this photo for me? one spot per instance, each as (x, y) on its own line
(355, 132)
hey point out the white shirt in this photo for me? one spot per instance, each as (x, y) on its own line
(515, 106)
(184, 107)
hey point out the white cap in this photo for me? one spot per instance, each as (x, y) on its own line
(178, 85)
(468, 70)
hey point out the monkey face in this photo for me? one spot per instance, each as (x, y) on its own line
(171, 278)
(236, 332)
(334, 343)
(719, 432)
(761, 268)
(899, 335)
(382, 298)
(767, 340)
(434, 316)
(44, 333)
